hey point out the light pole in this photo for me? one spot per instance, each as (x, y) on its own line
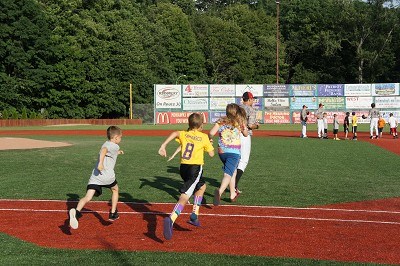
(181, 76)
(277, 41)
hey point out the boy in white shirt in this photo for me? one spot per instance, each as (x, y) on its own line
(393, 125)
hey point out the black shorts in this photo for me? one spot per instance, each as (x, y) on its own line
(354, 129)
(98, 188)
(380, 129)
(192, 175)
(325, 130)
(335, 131)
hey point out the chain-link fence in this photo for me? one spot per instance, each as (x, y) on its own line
(144, 112)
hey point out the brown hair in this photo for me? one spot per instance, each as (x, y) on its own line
(195, 121)
(113, 131)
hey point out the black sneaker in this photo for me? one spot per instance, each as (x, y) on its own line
(113, 216)
(370, 137)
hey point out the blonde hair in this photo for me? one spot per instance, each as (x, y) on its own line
(235, 115)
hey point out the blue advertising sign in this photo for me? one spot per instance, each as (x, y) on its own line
(297, 103)
(303, 90)
(330, 89)
(276, 90)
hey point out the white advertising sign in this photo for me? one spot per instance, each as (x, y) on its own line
(222, 90)
(195, 90)
(358, 102)
(220, 103)
(195, 104)
(168, 96)
(387, 102)
(255, 89)
(276, 102)
(357, 90)
(385, 89)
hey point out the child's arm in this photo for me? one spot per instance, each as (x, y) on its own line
(175, 153)
(162, 150)
(103, 153)
(213, 131)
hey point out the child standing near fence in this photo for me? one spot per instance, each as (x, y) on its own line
(346, 125)
(325, 122)
(354, 120)
(335, 127)
(393, 125)
(381, 125)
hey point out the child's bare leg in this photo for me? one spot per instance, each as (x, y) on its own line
(114, 198)
(225, 183)
(88, 197)
(232, 185)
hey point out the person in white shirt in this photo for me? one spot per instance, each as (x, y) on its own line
(393, 125)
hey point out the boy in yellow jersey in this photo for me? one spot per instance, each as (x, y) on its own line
(354, 121)
(193, 144)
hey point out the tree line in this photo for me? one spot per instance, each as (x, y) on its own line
(76, 58)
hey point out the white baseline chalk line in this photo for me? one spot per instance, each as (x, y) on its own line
(223, 215)
(230, 205)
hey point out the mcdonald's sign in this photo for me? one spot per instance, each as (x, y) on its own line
(162, 118)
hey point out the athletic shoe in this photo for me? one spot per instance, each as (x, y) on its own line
(168, 228)
(73, 220)
(194, 223)
(371, 137)
(113, 216)
(217, 198)
(194, 220)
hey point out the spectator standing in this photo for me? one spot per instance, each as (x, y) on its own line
(346, 125)
(393, 123)
(374, 115)
(320, 121)
(335, 127)
(304, 117)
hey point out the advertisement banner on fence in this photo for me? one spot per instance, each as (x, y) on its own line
(215, 116)
(164, 118)
(385, 89)
(303, 90)
(330, 89)
(357, 90)
(168, 97)
(255, 89)
(276, 90)
(358, 102)
(332, 102)
(277, 117)
(298, 102)
(276, 103)
(387, 102)
(220, 103)
(195, 104)
(195, 90)
(222, 90)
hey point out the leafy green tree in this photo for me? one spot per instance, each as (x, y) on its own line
(228, 51)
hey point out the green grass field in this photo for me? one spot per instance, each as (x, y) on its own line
(282, 172)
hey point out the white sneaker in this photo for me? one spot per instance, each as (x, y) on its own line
(73, 222)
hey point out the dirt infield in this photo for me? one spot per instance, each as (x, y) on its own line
(351, 232)
(24, 143)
